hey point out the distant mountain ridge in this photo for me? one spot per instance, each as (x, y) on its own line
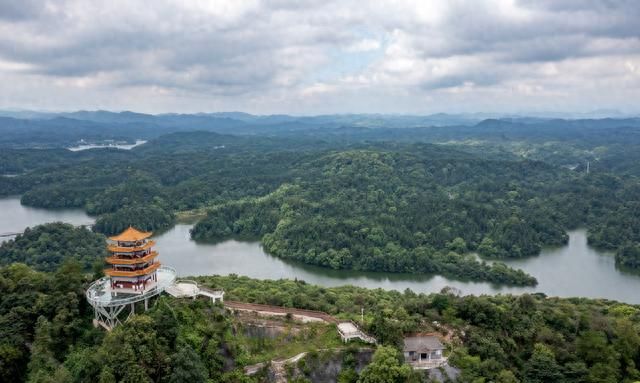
(26, 129)
(370, 120)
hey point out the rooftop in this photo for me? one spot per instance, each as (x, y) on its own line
(422, 342)
(131, 235)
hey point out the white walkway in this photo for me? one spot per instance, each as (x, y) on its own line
(190, 289)
(349, 331)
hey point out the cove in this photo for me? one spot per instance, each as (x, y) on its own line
(15, 217)
(573, 270)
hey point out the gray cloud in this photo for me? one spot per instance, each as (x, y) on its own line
(265, 56)
(544, 31)
(16, 11)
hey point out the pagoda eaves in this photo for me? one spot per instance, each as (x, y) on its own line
(132, 264)
(131, 235)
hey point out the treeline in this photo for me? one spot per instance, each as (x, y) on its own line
(46, 247)
(176, 173)
(417, 210)
(145, 217)
(620, 231)
(367, 206)
(266, 216)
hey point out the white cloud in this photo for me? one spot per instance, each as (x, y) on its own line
(317, 88)
(364, 45)
(261, 56)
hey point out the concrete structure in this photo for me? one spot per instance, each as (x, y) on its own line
(111, 305)
(424, 351)
(349, 331)
(189, 289)
(269, 310)
(215, 295)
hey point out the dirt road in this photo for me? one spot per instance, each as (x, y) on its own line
(300, 314)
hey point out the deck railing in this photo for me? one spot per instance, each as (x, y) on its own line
(95, 292)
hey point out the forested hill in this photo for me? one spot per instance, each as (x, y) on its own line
(47, 336)
(55, 130)
(413, 210)
(340, 203)
(608, 144)
(47, 247)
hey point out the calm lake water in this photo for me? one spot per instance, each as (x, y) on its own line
(572, 270)
(15, 217)
(117, 146)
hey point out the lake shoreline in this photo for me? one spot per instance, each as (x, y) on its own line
(574, 270)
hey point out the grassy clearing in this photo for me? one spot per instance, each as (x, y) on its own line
(286, 340)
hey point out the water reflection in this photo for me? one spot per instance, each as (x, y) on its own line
(572, 270)
(15, 218)
(107, 145)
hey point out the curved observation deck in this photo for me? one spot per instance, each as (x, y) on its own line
(101, 294)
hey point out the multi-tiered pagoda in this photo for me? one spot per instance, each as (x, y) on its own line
(133, 264)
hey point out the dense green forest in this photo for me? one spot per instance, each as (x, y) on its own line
(46, 247)
(46, 333)
(530, 338)
(342, 201)
(47, 336)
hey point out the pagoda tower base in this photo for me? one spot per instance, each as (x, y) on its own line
(109, 317)
(112, 307)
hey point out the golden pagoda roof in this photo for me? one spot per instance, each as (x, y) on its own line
(131, 235)
(130, 249)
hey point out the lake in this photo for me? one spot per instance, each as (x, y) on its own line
(108, 145)
(572, 270)
(15, 218)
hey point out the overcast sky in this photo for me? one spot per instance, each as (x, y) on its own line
(321, 56)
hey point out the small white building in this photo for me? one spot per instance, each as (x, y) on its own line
(423, 351)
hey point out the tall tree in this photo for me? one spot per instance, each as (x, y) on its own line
(542, 367)
(187, 367)
(386, 368)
